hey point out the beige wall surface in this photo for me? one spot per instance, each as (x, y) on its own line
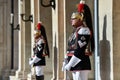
(116, 38)
(106, 39)
(5, 38)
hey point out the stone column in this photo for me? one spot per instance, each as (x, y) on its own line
(116, 38)
(5, 40)
(61, 37)
(24, 42)
(35, 13)
(58, 39)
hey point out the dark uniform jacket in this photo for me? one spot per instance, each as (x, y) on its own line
(38, 51)
(76, 46)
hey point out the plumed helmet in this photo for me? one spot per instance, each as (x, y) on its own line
(40, 31)
(80, 11)
(77, 15)
(38, 27)
(81, 6)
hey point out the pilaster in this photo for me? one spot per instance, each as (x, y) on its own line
(58, 39)
(24, 42)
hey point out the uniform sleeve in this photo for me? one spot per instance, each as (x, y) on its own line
(82, 41)
(83, 37)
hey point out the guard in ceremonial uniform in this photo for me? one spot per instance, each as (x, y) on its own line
(80, 43)
(40, 51)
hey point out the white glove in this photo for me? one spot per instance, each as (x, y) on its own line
(34, 60)
(63, 67)
(31, 61)
(64, 64)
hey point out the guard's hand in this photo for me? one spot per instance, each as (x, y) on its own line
(64, 64)
(31, 61)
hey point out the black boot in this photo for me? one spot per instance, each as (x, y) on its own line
(40, 77)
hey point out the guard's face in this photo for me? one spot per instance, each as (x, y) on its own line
(76, 19)
(75, 22)
(37, 34)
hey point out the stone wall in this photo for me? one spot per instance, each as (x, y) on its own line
(106, 39)
(116, 38)
(5, 38)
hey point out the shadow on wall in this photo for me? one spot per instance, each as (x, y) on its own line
(105, 54)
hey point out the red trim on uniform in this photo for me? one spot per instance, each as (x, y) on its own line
(44, 55)
(90, 34)
(70, 54)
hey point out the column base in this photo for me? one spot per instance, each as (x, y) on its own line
(6, 74)
(53, 78)
(17, 76)
(20, 75)
(31, 77)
